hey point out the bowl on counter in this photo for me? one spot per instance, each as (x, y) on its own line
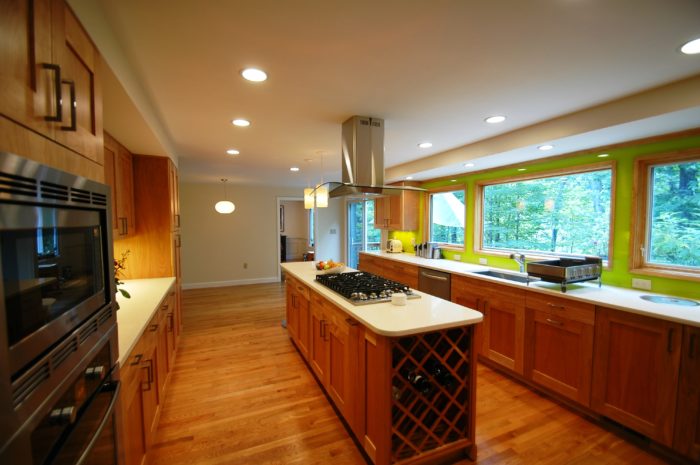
(338, 268)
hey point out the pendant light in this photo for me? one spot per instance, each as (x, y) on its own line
(308, 198)
(224, 206)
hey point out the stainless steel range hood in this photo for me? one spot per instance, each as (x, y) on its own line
(363, 161)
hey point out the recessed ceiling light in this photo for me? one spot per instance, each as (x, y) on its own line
(468, 165)
(495, 119)
(522, 169)
(692, 47)
(425, 145)
(294, 168)
(240, 122)
(254, 74)
(603, 155)
(232, 152)
(409, 178)
(545, 147)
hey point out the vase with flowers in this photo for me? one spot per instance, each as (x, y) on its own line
(119, 266)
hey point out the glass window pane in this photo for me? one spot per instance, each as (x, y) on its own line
(674, 236)
(562, 214)
(447, 217)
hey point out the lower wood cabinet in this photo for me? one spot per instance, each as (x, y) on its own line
(298, 315)
(405, 273)
(144, 377)
(636, 366)
(687, 432)
(559, 354)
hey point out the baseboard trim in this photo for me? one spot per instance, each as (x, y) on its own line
(236, 282)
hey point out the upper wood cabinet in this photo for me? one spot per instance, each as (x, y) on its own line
(397, 212)
(687, 432)
(635, 371)
(49, 80)
(119, 175)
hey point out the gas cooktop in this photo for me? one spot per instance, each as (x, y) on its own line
(361, 288)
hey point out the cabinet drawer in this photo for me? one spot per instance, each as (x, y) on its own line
(297, 286)
(561, 307)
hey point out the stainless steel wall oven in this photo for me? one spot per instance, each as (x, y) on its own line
(58, 345)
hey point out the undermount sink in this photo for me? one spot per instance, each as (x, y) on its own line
(508, 276)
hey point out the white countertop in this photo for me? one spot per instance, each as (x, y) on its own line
(428, 313)
(135, 313)
(609, 296)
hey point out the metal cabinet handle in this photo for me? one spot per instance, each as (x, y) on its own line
(177, 221)
(351, 322)
(137, 359)
(669, 346)
(551, 305)
(149, 370)
(58, 116)
(437, 278)
(486, 307)
(691, 347)
(73, 107)
(323, 329)
(178, 241)
(171, 322)
(153, 328)
(554, 322)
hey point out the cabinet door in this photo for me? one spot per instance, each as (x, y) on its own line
(124, 195)
(381, 213)
(635, 371)
(561, 354)
(174, 196)
(27, 88)
(149, 393)
(340, 374)
(303, 325)
(169, 323)
(292, 311)
(318, 354)
(504, 327)
(133, 437)
(81, 125)
(110, 166)
(687, 431)
(468, 292)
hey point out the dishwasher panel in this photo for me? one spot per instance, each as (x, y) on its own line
(434, 282)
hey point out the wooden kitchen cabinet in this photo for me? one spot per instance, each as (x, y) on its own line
(49, 81)
(687, 429)
(559, 353)
(119, 175)
(403, 273)
(397, 212)
(333, 337)
(635, 371)
(502, 338)
(298, 315)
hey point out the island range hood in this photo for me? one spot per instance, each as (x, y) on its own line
(363, 161)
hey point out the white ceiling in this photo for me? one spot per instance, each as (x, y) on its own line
(432, 69)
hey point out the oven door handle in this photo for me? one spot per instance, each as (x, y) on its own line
(103, 423)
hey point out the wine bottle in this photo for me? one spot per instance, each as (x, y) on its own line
(418, 380)
(439, 373)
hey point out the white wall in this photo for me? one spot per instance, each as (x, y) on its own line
(296, 220)
(215, 246)
(330, 231)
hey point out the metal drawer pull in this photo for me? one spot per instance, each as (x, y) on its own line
(137, 359)
(351, 322)
(438, 278)
(58, 116)
(153, 328)
(554, 322)
(551, 305)
(73, 107)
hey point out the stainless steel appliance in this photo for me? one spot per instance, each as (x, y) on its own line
(360, 287)
(58, 346)
(434, 282)
(567, 270)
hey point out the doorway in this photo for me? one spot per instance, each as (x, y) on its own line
(362, 235)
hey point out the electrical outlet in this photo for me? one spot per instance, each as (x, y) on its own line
(641, 284)
(333, 231)
(457, 257)
(483, 261)
(413, 241)
(245, 266)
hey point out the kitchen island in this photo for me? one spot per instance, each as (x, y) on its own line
(401, 377)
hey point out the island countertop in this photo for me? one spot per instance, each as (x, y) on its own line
(628, 300)
(428, 313)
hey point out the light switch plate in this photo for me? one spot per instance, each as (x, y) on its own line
(483, 261)
(641, 284)
(457, 257)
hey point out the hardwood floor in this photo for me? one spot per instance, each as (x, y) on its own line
(241, 394)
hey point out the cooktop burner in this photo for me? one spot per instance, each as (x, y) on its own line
(362, 288)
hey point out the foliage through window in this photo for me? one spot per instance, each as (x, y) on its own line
(447, 217)
(673, 224)
(564, 214)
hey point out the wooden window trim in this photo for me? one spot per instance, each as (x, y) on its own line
(640, 206)
(426, 215)
(479, 202)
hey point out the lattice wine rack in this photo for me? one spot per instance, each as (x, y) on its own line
(431, 398)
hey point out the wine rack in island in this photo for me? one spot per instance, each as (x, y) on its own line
(422, 411)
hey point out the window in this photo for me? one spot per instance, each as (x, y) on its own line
(446, 219)
(563, 213)
(361, 232)
(667, 230)
(311, 226)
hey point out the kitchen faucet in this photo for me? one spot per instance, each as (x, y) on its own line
(520, 258)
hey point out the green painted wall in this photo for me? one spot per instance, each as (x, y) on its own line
(617, 273)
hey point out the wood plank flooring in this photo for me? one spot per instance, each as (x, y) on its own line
(240, 394)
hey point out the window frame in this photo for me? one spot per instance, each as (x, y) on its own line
(641, 202)
(427, 215)
(535, 254)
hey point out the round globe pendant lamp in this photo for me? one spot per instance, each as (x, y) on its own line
(225, 206)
